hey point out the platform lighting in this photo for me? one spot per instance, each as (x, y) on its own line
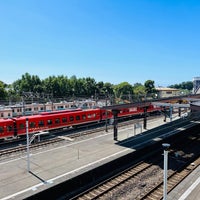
(106, 118)
(170, 110)
(166, 148)
(27, 146)
(106, 112)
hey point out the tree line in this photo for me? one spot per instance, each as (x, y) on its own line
(188, 85)
(55, 87)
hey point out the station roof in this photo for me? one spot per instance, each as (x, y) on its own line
(127, 105)
(156, 101)
(192, 99)
(175, 105)
(195, 106)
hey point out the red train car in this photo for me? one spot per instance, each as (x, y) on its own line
(7, 128)
(61, 119)
(128, 112)
(56, 120)
(105, 115)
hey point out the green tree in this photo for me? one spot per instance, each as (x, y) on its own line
(28, 83)
(75, 87)
(188, 85)
(99, 89)
(149, 87)
(48, 85)
(139, 89)
(124, 91)
(3, 92)
(56, 87)
(90, 86)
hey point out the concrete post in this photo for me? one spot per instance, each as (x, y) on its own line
(165, 147)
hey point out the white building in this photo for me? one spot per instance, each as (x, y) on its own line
(5, 112)
(35, 108)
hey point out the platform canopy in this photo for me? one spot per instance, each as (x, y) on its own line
(175, 105)
(192, 99)
(127, 105)
(195, 106)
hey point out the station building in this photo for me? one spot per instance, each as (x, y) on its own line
(167, 92)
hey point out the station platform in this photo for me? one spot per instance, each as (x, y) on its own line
(54, 165)
(188, 189)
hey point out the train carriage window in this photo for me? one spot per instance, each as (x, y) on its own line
(32, 125)
(57, 121)
(49, 122)
(64, 119)
(9, 128)
(41, 123)
(92, 115)
(134, 109)
(71, 118)
(21, 126)
(83, 117)
(78, 117)
(1, 129)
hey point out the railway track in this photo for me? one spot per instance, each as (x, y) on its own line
(173, 180)
(145, 180)
(6, 153)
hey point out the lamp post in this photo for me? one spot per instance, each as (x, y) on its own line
(166, 148)
(106, 114)
(170, 112)
(23, 106)
(27, 146)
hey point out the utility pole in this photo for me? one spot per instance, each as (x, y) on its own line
(27, 146)
(106, 114)
(166, 148)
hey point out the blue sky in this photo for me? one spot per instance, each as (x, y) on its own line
(108, 40)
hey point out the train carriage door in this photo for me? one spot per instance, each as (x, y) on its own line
(15, 128)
